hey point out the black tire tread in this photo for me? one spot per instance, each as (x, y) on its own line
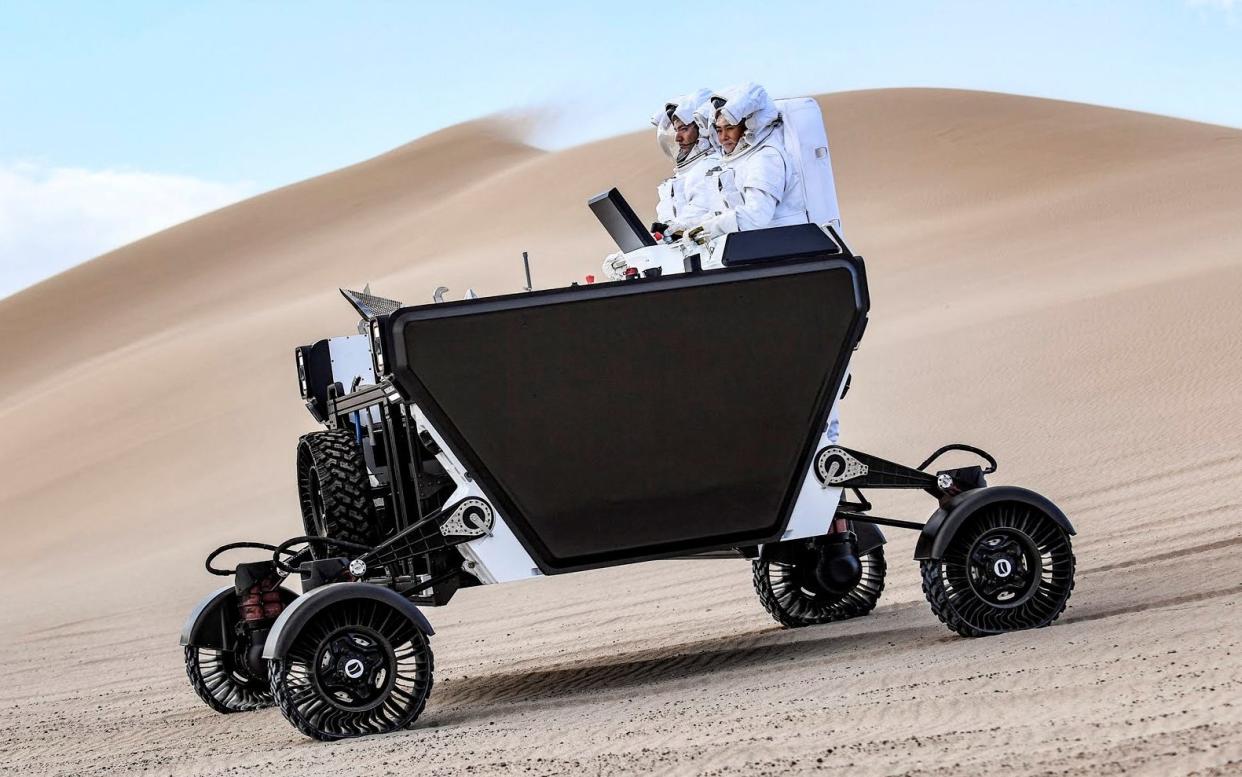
(349, 512)
(275, 673)
(199, 684)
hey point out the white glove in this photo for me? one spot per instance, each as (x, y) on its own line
(717, 225)
(614, 266)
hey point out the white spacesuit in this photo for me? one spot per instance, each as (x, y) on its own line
(759, 184)
(690, 195)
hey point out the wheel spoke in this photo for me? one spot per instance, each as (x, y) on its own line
(216, 679)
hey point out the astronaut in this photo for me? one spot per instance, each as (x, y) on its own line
(759, 185)
(692, 193)
(689, 196)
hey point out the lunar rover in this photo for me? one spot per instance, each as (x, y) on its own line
(498, 439)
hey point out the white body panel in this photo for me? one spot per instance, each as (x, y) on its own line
(713, 255)
(669, 257)
(497, 557)
(351, 360)
(814, 510)
(817, 504)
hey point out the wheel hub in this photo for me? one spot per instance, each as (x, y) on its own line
(355, 668)
(1004, 567)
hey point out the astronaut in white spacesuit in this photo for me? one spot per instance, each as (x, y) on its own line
(690, 195)
(759, 184)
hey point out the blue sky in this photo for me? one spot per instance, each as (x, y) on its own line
(120, 118)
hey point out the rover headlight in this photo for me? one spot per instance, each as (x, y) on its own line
(301, 372)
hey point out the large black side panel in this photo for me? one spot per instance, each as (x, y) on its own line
(638, 419)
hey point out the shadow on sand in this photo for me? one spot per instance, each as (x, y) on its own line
(682, 661)
(841, 643)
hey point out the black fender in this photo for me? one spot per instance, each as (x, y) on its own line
(869, 536)
(308, 605)
(945, 522)
(210, 624)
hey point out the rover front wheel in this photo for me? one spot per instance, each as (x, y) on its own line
(795, 596)
(358, 667)
(1008, 567)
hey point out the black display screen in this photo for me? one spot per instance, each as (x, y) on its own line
(637, 419)
(620, 221)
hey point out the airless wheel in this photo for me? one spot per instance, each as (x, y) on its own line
(1008, 567)
(795, 595)
(358, 667)
(220, 679)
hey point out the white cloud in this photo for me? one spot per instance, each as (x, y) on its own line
(52, 218)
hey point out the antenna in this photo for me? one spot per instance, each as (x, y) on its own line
(526, 263)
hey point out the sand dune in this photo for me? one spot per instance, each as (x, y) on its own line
(1056, 282)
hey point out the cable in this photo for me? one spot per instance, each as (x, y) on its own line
(960, 447)
(283, 549)
(232, 546)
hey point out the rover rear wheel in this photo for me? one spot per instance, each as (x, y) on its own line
(219, 681)
(1008, 567)
(358, 667)
(791, 593)
(334, 490)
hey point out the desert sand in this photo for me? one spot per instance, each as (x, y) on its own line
(1058, 283)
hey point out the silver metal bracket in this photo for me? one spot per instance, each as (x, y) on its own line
(472, 517)
(834, 466)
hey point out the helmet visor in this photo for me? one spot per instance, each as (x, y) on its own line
(666, 137)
